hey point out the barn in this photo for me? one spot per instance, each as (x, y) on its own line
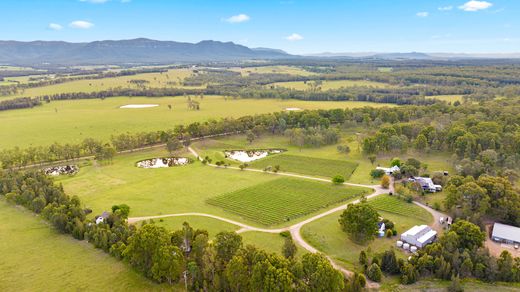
(506, 233)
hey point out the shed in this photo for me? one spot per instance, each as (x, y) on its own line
(419, 235)
(101, 218)
(506, 233)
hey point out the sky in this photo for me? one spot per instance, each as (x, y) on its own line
(296, 26)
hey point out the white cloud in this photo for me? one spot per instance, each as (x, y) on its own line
(238, 18)
(81, 24)
(423, 14)
(475, 5)
(55, 26)
(445, 8)
(294, 37)
(94, 1)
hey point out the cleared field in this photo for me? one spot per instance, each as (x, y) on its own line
(283, 199)
(326, 235)
(447, 98)
(36, 257)
(172, 78)
(273, 69)
(333, 84)
(392, 204)
(308, 165)
(73, 120)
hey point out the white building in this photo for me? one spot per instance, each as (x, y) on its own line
(419, 235)
(426, 184)
(389, 171)
(506, 233)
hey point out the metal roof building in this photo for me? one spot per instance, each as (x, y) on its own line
(419, 235)
(506, 233)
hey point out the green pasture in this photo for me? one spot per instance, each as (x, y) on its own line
(171, 79)
(308, 165)
(331, 84)
(71, 121)
(36, 257)
(284, 199)
(326, 235)
(447, 98)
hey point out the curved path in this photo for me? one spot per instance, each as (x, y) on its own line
(295, 229)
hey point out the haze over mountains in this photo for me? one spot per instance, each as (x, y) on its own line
(141, 50)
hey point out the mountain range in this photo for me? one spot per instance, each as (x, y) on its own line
(132, 51)
(147, 51)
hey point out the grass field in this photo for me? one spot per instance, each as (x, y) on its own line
(273, 69)
(283, 199)
(308, 165)
(393, 205)
(326, 234)
(37, 258)
(93, 85)
(333, 84)
(73, 120)
(448, 98)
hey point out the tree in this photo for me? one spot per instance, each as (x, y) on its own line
(377, 173)
(359, 221)
(374, 273)
(363, 259)
(385, 182)
(455, 285)
(250, 136)
(289, 248)
(173, 144)
(395, 162)
(372, 158)
(421, 142)
(319, 274)
(227, 244)
(338, 179)
(469, 234)
(389, 262)
(122, 210)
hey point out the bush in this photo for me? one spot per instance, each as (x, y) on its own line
(394, 232)
(374, 273)
(385, 182)
(389, 233)
(396, 162)
(338, 179)
(377, 173)
(285, 233)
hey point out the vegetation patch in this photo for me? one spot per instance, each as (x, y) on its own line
(283, 199)
(309, 165)
(61, 170)
(397, 206)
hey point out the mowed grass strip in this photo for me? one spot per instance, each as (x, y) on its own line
(392, 204)
(308, 165)
(283, 199)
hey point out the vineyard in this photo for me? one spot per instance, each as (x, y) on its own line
(394, 205)
(283, 199)
(309, 165)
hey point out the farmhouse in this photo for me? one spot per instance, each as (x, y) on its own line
(419, 235)
(389, 171)
(101, 218)
(426, 184)
(506, 234)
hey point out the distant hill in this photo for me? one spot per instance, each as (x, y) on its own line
(132, 51)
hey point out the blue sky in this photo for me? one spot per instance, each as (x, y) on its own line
(297, 26)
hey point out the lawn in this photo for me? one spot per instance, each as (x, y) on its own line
(36, 257)
(332, 84)
(213, 226)
(326, 235)
(73, 120)
(308, 165)
(283, 199)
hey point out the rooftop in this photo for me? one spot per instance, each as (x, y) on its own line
(506, 232)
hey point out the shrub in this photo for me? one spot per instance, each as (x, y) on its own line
(285, 233)
(389, 233)
(377, 173)
(385, 182)
(374, 273)
(338, 179)
(394, 232)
